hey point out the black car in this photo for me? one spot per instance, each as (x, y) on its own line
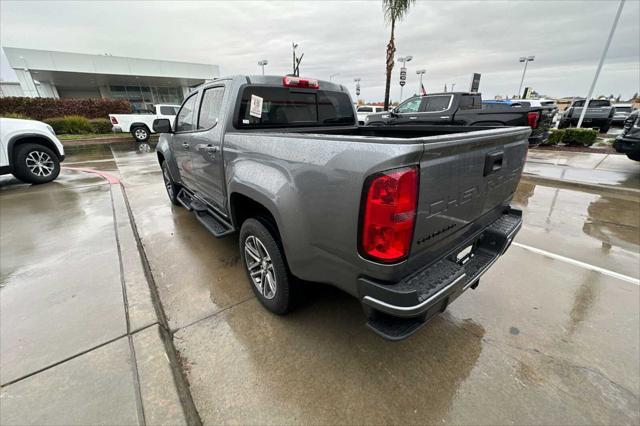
(464, 109)
(628, 142)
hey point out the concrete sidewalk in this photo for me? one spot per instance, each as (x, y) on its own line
(610, 172)
(81, 341)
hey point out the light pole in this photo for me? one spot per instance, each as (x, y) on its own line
(526, 60)
(404, 61)
(333, 75)
(357, 81)
(420, 73)
(263, 63)
(604, 54)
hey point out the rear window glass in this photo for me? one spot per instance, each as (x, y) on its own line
(283, 107)
(365, 109)
(623, 109)
(595, 103)
(168, 110)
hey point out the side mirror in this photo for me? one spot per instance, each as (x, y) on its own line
(162, 125)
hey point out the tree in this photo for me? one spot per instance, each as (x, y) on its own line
(394, 10)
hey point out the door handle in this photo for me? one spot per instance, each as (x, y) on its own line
(413, 118)
(185, 146)
(212, 149)
(493, 162)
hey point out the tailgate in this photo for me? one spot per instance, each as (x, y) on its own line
(466, 181)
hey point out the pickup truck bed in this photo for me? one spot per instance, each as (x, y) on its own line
(379, 212)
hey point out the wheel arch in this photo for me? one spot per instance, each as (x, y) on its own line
(34, 138)
(139, 124)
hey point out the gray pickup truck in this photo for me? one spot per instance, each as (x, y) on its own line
(599, 114)
(404, 219)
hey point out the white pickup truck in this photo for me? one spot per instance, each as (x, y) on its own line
(141, 125)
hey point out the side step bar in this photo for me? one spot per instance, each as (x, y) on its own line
(211, 220)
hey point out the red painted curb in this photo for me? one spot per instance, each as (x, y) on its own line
(106, 176)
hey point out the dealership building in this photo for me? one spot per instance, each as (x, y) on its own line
(143, 82)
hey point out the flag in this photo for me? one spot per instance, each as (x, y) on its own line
(422, 91)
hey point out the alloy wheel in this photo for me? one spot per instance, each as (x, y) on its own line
(140, 134)
(260, 267)
(40, 163)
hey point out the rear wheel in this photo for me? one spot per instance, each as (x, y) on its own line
(265, 266)
(140, 133)
(36, 164)
(605, 128)
(171, 187)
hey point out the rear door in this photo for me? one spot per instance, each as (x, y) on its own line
(183, 129)
(206, 146)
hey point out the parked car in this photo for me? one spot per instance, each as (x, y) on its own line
(599, 114)
(621, 113)
(464, 109)
(404, 219)
(364, 110)
(628, 142)
(29, 150)
(141, 125)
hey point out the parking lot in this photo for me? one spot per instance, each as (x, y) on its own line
(549, 337)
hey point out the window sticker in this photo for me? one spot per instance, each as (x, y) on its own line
(256, 106)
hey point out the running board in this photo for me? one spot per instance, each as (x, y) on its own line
(211, 220)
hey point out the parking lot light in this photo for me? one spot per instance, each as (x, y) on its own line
(526, 60)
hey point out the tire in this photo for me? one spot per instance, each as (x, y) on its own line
(261, 255)
(140, 133)
(36, 164)
(171, 187)
(605, 128)
(635, 156)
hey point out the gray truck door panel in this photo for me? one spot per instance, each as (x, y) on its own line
(206, 147)
(180, 140)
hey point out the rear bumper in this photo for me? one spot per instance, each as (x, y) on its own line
(398, 310)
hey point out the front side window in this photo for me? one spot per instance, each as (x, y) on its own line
(184, 119)
(437, 103)
(210, 107)
(412, 105)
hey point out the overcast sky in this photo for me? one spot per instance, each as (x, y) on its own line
(450, 39)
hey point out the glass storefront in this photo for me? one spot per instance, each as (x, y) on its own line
(143, 98)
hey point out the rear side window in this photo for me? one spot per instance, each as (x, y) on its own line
(184, 119)
(210, 107)
(436, 103)
(283, 107)
(470, 102)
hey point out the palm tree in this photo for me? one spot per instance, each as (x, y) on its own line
(394, 10)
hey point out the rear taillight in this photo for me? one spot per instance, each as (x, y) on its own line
(302, 83)
(532, 119)
(113, 120)
(390, 201)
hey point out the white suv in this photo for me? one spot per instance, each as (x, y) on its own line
(364, 110)
(29, 150)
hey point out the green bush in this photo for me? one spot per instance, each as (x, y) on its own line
(15, 115)
(580, 137)
(100, 125)
(555, 137)
(70, 124)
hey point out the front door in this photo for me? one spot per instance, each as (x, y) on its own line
(407, 112)
(206, 147)
(180, 138)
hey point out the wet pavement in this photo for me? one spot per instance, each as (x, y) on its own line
(543, 340)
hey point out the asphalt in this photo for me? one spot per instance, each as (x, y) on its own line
(551, 335)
